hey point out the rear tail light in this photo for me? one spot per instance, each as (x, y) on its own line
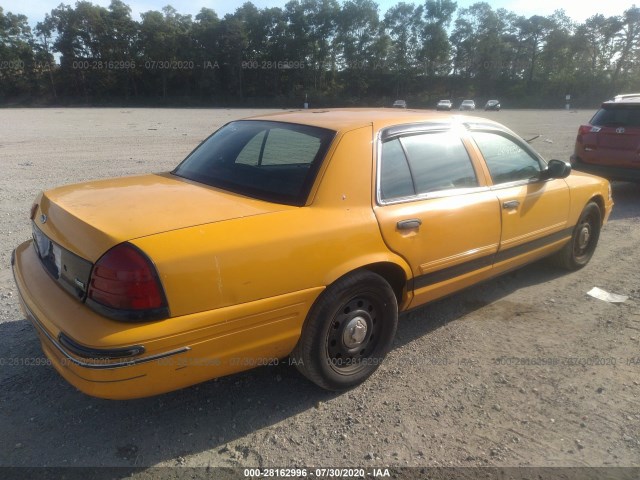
(584, 129)
(124, 285)
(588, 129)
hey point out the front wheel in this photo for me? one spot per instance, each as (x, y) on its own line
(577, 253)
(348, 331)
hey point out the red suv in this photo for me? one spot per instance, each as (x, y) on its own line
(609, 146)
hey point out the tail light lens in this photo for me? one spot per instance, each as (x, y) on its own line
(588, 129)
(124, 285)
(584, 129)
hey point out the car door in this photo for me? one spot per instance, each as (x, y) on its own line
(435, 210)
(534, 212)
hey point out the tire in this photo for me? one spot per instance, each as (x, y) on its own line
(348, 331)
(577, 253)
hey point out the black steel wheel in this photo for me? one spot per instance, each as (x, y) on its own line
(348, 331)
(577, 253)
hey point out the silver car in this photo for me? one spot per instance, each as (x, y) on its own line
(444, 105)
(468, 105)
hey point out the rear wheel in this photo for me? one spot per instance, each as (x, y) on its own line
(348, 332)
(577, 253)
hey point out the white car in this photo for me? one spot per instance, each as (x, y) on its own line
(444, 105)
(468, 105)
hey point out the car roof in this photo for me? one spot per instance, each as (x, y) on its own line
(631, 98)
(344, 119)
(627, 97)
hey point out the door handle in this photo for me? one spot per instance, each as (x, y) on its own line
(409, 224)
(511, 204)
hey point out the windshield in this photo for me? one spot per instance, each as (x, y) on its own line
(272, 161)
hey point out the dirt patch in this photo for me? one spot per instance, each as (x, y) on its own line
(525, 370)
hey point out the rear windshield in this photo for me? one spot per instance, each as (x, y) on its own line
(617, 116)
(271, 161)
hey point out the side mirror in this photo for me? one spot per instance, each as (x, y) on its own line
(556, 169)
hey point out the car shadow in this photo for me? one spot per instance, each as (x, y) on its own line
(43, 413)
(626, 198)
(423, 320)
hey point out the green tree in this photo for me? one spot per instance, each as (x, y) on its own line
(17, 76)
(533, 34)
(627, 43)
(436, 46)
(167, 50)
(357, 34)
(207, 53)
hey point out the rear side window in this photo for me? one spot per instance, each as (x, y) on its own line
(507, 160)
(424, 163)
(271, 161)
(395, 177)
(617, 116)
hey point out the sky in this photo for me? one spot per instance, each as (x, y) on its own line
(578, 11)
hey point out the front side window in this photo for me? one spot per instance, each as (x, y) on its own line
(271, 161)
(507, 161)
(424, 163)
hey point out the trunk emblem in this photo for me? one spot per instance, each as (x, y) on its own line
(620, 130)
(43, 218)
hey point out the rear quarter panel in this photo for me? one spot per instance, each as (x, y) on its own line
(246, 259)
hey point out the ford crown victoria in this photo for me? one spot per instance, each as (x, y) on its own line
(299, 234)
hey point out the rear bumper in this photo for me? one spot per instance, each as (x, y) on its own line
(161, 356)
(610, 173)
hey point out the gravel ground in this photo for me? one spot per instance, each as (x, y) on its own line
(524, 370)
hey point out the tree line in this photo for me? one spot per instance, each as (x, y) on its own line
(321, 51)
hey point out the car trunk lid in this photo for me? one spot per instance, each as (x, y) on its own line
(88, 219)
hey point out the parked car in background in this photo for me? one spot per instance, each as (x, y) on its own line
(609, 145)
(400, 104)
(297, 234)
(444, 105)
(468, 105)
(492, 105)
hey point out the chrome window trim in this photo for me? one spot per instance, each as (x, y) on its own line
(517, 183)
(432, 195)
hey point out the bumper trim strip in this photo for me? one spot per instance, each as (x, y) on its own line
(103, 365)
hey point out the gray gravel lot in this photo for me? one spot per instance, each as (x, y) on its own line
(444, 397)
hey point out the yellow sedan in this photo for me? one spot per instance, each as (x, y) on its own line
(299, 234)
